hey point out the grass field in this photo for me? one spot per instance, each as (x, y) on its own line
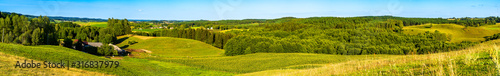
(6, 62)
(265, 61)
(168, 46)
(302, 63)
(198, 54)
(459, 33)
(145, 30)
(97, 24)
(480, 60)
(250, 24)
(128, 66)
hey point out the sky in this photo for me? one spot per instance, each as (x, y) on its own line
(250, 9)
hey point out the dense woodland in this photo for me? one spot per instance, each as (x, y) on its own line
(20, 29)
(466, 21)
(333, 35)
(221, 24)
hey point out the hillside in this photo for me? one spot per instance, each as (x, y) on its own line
(128, 66)
(7, 60)
(198, 54)
(479, 60)
(459, 33)
(478, 57)
(95, 24)
(168, 46)
(323, 64)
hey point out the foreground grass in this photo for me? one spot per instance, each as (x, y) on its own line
(265, 61)
(128, 66)
(475, 64)
(479, 60)
(7, 61)
(168, 46)
(459, 33)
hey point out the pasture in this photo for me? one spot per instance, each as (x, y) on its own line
(459, 33)
(96, 24)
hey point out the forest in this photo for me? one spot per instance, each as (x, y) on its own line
(343, 36)
(19, 29)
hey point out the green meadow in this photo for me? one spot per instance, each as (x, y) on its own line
(476, 60)
(128, 65)
(96, 24)
(479, 60)
(201, 55)
(168, 46)
(146, 30)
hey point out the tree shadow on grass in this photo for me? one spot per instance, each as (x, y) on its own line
(123, 47)
(121, 40)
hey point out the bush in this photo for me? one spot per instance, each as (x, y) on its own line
(67, 43)
(132, 42)
(106, 50)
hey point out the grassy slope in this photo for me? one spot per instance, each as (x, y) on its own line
(171, 47)
(97, 24)
(198, 54)
(459, 33)
(128, 66)
(230, 30)
(480, 60)
(145, 30)
(7, 61)
(265, 61)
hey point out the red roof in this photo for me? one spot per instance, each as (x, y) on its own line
(86, 43)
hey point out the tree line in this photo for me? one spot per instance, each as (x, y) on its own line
(492, 37)
(466, 21)
(20, 29)
(334, 35)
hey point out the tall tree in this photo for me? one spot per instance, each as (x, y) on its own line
(36, 36)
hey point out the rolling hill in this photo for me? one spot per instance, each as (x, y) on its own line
(128, 66)
(168, 46)
(201, 55)
(7, 60)
(479, 60)
(459, 33)
(96, 24)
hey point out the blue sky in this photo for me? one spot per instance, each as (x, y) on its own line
(250, 9)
